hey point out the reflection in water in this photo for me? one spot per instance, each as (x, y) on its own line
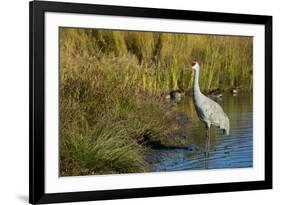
(233, 151)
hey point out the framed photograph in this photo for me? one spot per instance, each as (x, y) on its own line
(141, 102)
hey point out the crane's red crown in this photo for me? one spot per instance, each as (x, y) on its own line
(193, 63)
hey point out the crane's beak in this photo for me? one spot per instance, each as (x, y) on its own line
(191, 68)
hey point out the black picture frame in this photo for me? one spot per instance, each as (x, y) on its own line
(37, 9)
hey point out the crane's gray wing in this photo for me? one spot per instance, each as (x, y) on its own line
(213, 112)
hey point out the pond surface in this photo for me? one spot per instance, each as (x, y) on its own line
(233, 151)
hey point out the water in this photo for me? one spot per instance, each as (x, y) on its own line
(233, 151)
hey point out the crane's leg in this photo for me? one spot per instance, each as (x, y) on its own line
(206, 142)
(208, 137)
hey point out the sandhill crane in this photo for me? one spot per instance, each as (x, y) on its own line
(209, 112)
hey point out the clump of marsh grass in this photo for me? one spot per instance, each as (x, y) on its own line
(103, 133)
(106, 149)
(104, 118)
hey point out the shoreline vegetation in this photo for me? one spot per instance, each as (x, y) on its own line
(110, 81)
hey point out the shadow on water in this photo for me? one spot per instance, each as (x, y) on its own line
(233, 151)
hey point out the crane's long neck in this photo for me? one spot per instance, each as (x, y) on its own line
(196, 88)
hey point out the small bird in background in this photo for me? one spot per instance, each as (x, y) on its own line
(209, 112)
